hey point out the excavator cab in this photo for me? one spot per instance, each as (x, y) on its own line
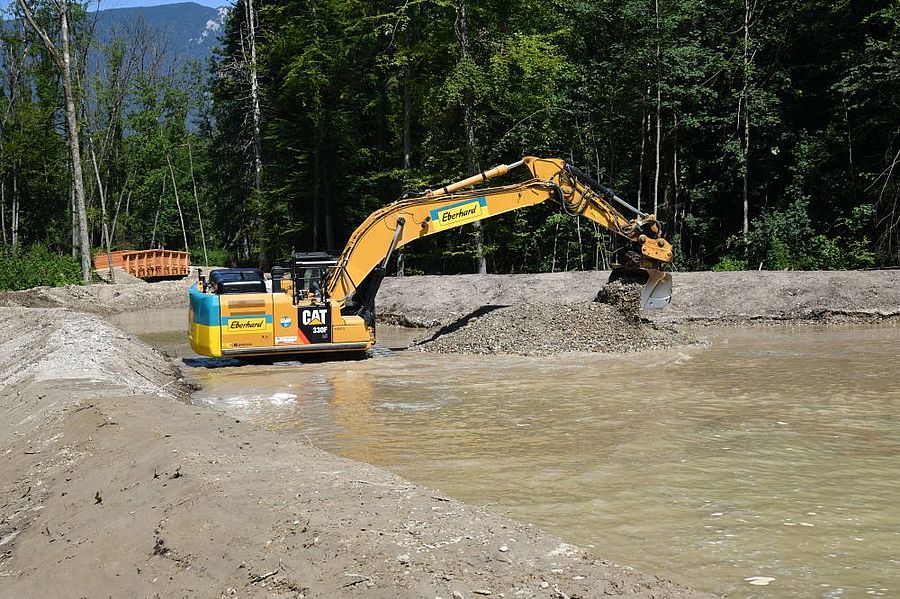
(230, 281)
(308, 271)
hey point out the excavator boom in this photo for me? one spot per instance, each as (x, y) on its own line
(454, 205)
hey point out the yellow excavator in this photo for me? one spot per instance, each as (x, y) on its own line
(327, 304)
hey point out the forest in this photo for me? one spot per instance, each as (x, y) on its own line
(764, 134)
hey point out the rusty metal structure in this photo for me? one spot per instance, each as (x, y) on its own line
(147, 264)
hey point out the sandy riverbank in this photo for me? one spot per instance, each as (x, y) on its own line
(113, 485)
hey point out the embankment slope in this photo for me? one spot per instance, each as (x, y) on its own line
(428, 301)
(102, 298)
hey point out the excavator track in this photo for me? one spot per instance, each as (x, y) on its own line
(380, 351)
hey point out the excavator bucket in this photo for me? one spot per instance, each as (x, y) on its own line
(657, 286)
(657, 292)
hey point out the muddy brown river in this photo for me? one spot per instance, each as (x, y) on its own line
(765, 464)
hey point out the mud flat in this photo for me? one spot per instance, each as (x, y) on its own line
(113, 485)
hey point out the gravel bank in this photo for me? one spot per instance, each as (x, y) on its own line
(103, 299)
(428, 301)
(52, 357)
(546, 329)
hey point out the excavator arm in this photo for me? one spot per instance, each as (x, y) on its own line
(360, 267)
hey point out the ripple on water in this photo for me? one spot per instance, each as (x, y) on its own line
(409, 406)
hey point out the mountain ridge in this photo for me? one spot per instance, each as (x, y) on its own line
(188, 30)
(120, 4)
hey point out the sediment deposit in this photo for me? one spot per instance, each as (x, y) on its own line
(547, 329)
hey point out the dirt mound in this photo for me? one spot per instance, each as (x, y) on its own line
(51, 357)
(542, 329)
(122, 276)
(50, 344)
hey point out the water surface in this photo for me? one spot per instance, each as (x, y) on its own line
(774, 452)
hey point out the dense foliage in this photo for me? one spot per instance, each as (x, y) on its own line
(691, 109)
(24, 268)
(672, 103)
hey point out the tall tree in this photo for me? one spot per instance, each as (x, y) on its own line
(62, 57)
(250, 59)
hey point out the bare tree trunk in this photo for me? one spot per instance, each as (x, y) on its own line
(658, 113)
(257, 134)
(197, 204)
(14, 225)
(658, 165)
(580, 246)
(645, 128)
(407, 138)
(407, 111)
(119, 203)
(156, 218)
(469, 125)
(849, 138)
(178, 204)
(74, 144)
(106, 239)
(745, 93)
(73, 206)
(555, 240)
(676, 178)
(62, 58)
(118, 206)
(13, 66)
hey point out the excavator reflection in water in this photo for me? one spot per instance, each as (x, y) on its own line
(327, 304)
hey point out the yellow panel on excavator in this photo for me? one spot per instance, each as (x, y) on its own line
(247, 321)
